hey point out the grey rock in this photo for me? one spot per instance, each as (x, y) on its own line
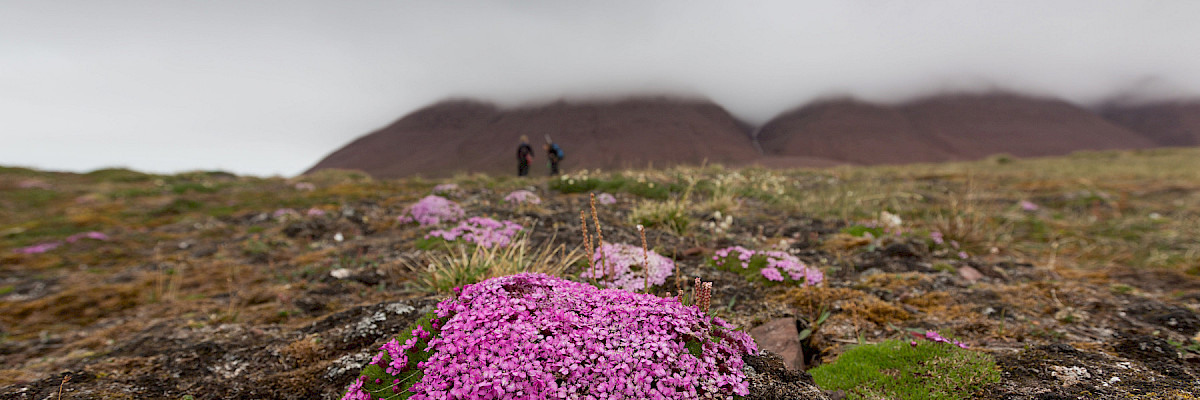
(770, 379)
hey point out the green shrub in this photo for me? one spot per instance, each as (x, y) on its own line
(184, 187)
(616, 184)
(898, 370)
(177, 207)
(574, 185)
(862, 231)
(119, 175)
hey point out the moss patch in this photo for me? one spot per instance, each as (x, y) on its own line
(896, 369)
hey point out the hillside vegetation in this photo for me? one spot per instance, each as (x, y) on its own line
(1077, 276)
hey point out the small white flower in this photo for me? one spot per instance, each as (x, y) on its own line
(890, 220)
(338, 237)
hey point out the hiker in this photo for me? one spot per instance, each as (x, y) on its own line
(524, 156)
(554, 154)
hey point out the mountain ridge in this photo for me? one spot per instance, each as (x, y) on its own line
(465, 135)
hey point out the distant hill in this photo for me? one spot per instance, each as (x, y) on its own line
(471, 136)
(942, 128)
(1173, 123)
(850, 131)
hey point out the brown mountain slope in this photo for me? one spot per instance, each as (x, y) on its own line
(940, 128)
(458, 136)
(980, 125)
(1175, 123)
(850, 131)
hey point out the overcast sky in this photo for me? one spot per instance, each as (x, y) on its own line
(270, 87)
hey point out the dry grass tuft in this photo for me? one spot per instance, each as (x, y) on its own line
(859, 306)
(470, 264)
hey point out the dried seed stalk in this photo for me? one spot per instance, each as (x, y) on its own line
(702, 295)
(600, 238)
(645, 260)
(587, 244)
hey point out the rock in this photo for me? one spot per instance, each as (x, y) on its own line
(781, 337)
(900, 250)
(970, 273)
(309, 305)
(842, 241)
(771, 380)
(1175, 318)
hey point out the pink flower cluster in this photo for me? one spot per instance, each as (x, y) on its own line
(398, 353)
(937, 237)
(283, 213)
(523, 197)
(47, 246)
(445, 188)
(936, 337)
(535, 336)
(621, 265)
(605, 199)
(771, 264)
(482, 231)
(432, 210)
(34, 184)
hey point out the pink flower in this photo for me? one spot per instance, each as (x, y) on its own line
(937, 338)
(284, 212)
(522, 197)
(1028, 205)
(621, 265)
(445, 188)
(34, 184)
(605, 199)
(483, 231)
(776, 262)
(432, 210)
(772, 274)
(39, 248)
(355, 391)
(87, 235)
(937, 237)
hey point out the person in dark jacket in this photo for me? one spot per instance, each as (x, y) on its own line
(553, 153)
(524, 156)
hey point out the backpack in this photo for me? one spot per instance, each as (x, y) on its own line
(557, 150)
